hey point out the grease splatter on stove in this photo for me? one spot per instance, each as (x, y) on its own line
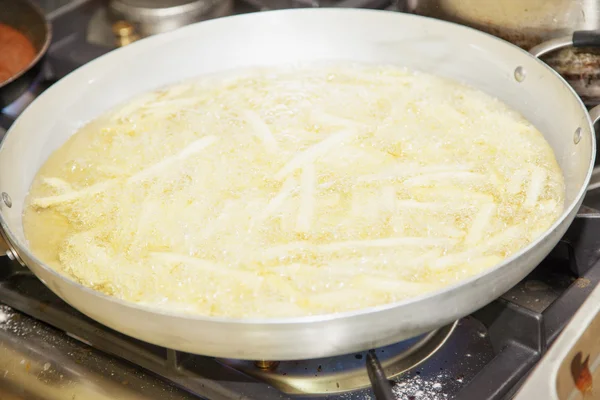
(417, 388)
(4, 314)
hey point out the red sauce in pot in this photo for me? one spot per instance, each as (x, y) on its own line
(16, 52)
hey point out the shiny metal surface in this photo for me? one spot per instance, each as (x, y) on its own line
(523, 22)
(124, 33)
(330, 378)
(37, 363)
(279, 37)
(158, 16)
(464, 353)
(551, 45)
(528, 23)
(204, 377)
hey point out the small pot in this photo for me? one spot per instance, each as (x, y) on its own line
(528, 23)
(28, 19)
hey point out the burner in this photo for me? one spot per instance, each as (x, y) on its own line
(158, 16)
(343, 373)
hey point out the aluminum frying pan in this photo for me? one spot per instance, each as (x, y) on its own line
(282, 37)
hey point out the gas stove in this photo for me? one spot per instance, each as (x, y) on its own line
(48, 350)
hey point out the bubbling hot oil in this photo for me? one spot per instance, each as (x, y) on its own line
(293, 191)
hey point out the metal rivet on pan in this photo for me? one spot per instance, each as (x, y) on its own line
(11, 255)
(520, 74)
(577, 136)
(6, 199)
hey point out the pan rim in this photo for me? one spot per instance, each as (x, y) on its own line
(329, 317)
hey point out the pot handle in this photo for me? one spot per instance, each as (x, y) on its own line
(578, 39)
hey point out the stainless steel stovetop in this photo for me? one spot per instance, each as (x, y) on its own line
(48, 350)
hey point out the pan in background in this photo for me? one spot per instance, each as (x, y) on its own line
(527, 23)
(28, 19)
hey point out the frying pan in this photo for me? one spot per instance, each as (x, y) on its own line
(28, 19)
(283, 37)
